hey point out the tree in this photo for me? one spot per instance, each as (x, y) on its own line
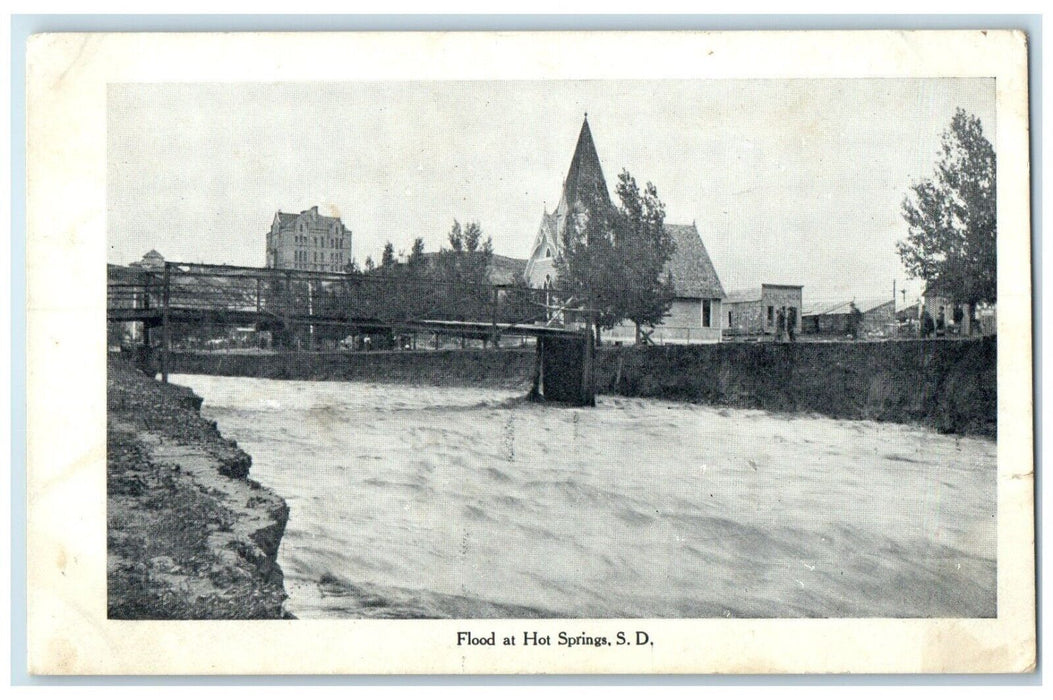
(613, 259)
(587, 266)
(469, 257)
(952, 218)
(645, 247)
(464, 270)
(416, 260)
(387, 258)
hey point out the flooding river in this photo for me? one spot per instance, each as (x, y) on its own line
(440, 502)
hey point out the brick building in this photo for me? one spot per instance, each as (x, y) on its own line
(757, 311)
(308, 241)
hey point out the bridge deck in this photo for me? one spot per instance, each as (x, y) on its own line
(481, 328)
(241, 317)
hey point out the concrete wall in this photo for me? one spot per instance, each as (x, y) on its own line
(513, 368)
(950, 385)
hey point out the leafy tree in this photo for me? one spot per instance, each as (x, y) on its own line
(465, 270)
(645, 247)
(469, 257)
(952, 218)
(416, 260)
(614, 258)
(387, 258)
(456, 237)
(370, 265)
(587, 265)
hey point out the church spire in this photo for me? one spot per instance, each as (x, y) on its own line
(585, 175)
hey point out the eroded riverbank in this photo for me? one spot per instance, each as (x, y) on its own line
(189, 536)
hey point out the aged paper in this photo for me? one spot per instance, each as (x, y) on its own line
(72, 81)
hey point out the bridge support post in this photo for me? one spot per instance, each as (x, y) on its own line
(166, 333)
(564, 370)
(493, 318)
(588, 376)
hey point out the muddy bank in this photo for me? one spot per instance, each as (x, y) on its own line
(951, 386)
(189, 536)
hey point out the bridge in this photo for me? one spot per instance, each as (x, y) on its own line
(291, 304)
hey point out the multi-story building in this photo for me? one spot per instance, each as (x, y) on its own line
(308, 241)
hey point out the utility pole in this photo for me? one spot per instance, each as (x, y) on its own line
(894, 325)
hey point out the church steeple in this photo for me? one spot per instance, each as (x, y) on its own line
(583, 187)
(585, 176)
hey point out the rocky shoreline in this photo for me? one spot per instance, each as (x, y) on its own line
(189, 535)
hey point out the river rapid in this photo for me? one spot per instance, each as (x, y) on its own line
(421, 502)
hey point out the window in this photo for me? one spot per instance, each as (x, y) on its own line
(729, 319)
(707, 313)
(771, 315)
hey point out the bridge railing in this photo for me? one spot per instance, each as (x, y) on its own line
(290, 296)
(129, 288)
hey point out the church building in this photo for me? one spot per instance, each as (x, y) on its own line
(696, 314)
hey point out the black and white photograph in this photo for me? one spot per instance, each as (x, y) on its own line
(594, 352)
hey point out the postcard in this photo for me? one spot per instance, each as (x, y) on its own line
(534, 353)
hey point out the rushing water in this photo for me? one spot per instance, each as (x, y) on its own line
(437, 502)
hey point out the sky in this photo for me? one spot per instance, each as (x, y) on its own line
(789, 181)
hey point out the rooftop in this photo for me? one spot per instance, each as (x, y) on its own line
(693, 273)
(865, 305)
